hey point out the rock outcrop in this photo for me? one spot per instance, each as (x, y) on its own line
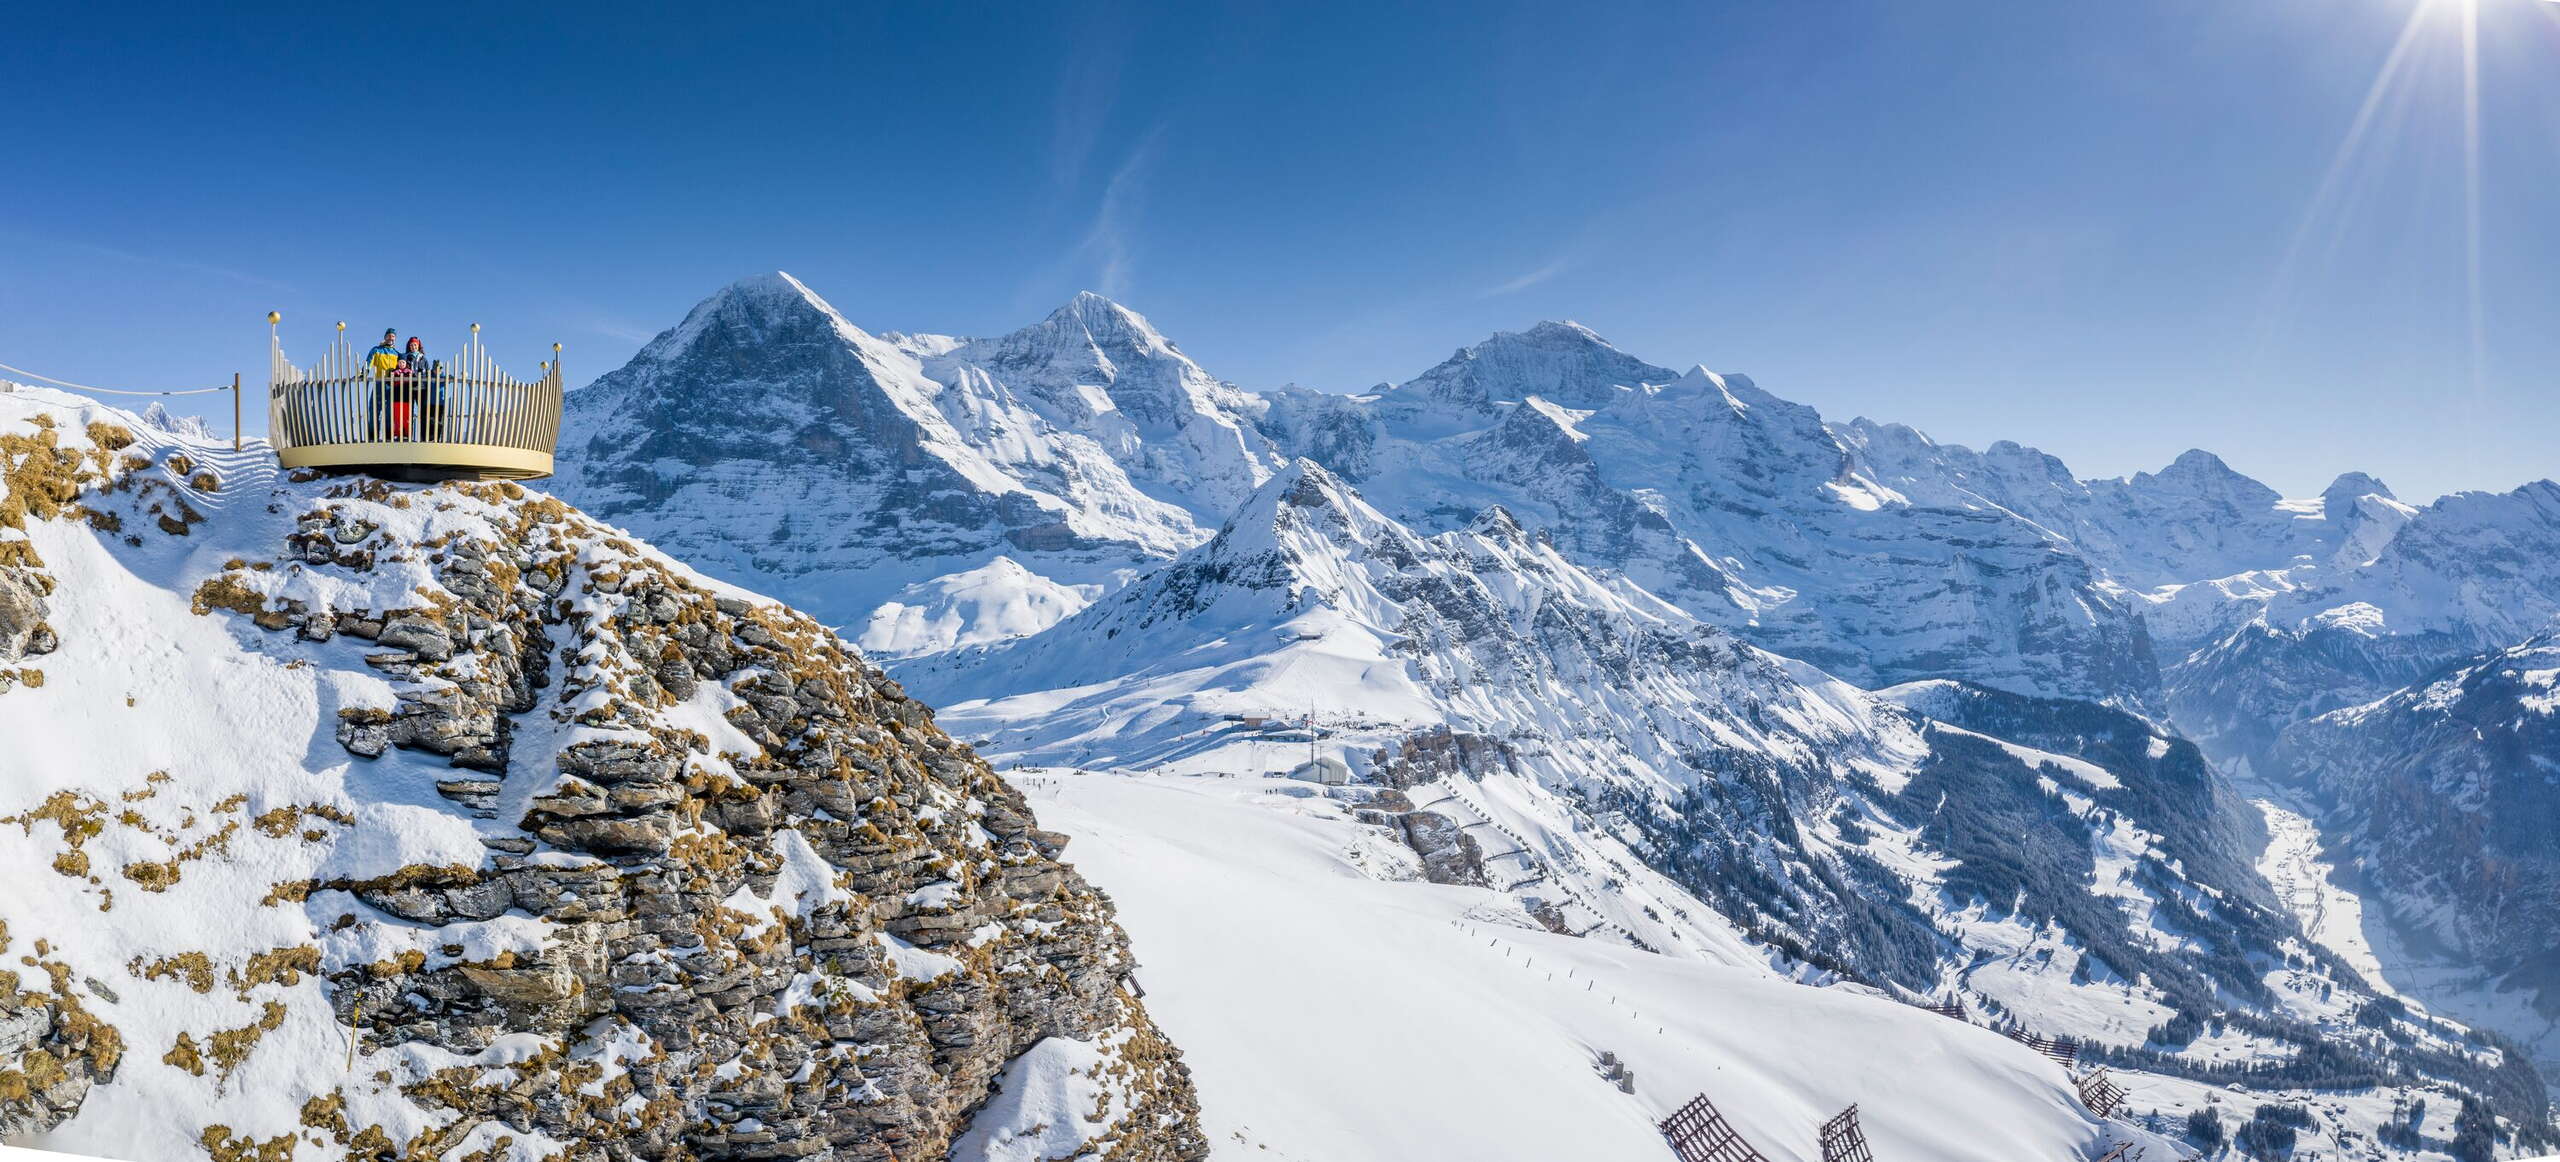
(831, 926)
(582, 856)
(52, 1051)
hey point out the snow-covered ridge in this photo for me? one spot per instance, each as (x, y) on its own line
(778, 444)
(350, 818)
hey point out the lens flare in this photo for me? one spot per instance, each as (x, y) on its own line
(2404, 90)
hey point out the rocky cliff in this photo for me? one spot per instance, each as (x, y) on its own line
(382, 819)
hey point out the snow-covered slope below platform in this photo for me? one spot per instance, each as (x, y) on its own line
(1340, 1009)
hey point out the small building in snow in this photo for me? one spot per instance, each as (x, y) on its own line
(1325, 769)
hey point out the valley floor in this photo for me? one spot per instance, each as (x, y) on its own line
(2305, 877)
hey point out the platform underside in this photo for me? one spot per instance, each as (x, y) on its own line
(421, 461)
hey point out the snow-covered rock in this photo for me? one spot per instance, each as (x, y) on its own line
(1744, 509)
(995, 601)
(1096, 369)
(356, 819)
(779, 445)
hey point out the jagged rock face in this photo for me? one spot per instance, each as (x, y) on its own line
(1744, 509)
(1095, 369)
(23, 632)
(1562, 362)
(817, 883)
(2194, 519)
(2237, 696)
(2456, 579)
(1448, 854)
(2445, 794)
(1844, 574)
(52, 1050)
(776, 443)
(570, 851)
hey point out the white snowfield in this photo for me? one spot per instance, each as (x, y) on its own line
(22, 1154)
(1335, 1008)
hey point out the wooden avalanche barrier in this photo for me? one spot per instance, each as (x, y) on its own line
(2064, 1051)
(1698, 1133)
(2100, 1093)
(1843, 1141)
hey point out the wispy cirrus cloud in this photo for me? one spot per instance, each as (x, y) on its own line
(1525, 281)
(1104, 256)
(1111, 243)
(162, 262)
(1088, 88)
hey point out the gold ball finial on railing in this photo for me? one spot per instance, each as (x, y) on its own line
(274, 317)
(475, 328)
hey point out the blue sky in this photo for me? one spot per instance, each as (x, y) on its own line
(2114, 231)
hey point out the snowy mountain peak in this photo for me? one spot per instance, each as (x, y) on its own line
(1097, 371)
(745, 312)
(769, 433)
(2365, 516)
(2352, 486)
(2199, 473)
(1563, 331)
(1565, 362)
(1698, 373)
(1103, 323)
(1498, 526)
(773, 285)
(1303, 483)
(1097, 343)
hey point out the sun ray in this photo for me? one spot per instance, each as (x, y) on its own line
(2471, 202)
(2350, 147)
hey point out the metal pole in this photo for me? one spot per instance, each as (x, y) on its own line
(235, 411)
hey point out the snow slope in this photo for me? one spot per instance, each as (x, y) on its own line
(1635, 778)
(1345, 1014)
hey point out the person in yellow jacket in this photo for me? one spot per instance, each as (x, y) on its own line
(381, 362)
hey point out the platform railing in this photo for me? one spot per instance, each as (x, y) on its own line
(463, 412)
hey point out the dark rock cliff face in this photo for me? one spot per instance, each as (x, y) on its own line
(761, 380)
(781, 913)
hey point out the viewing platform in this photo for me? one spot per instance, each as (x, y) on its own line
(458, 418)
